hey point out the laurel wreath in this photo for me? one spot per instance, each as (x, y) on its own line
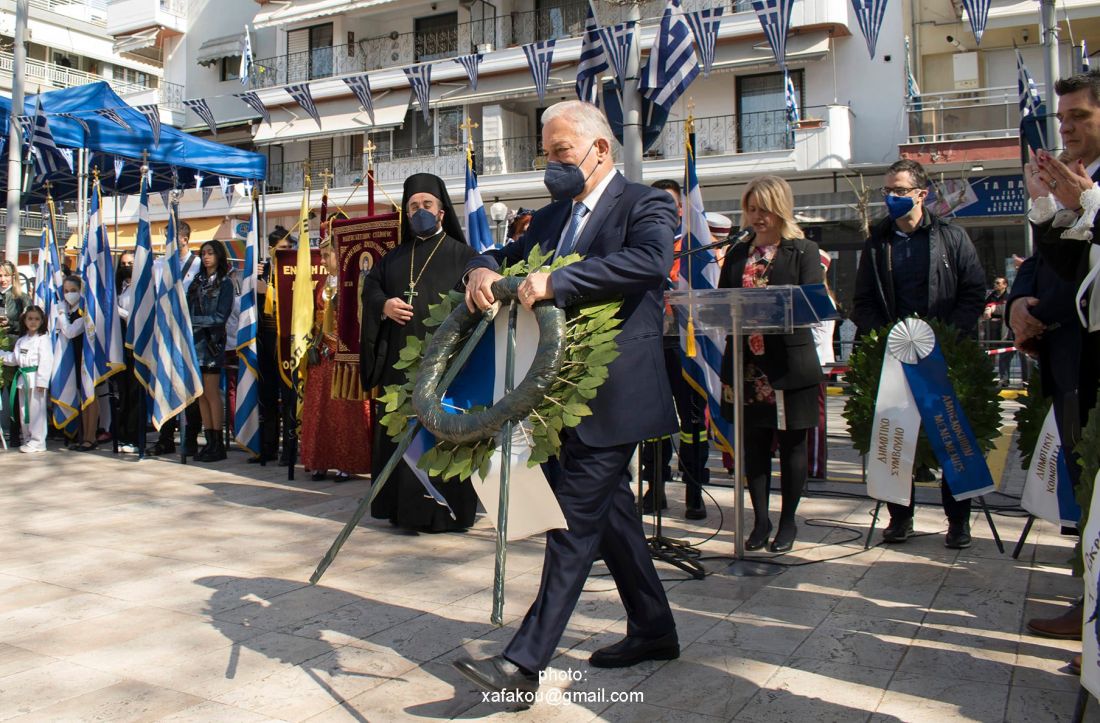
(968, 368)
(7, 373)
(589, 347)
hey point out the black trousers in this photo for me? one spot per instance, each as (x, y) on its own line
(277, 406)
(694, 444)
(592, 486)
(956, 510)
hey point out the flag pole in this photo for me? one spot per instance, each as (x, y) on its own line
(1049, 25)
(19, 60)
(632, 129)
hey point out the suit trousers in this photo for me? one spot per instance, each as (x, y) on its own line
(955, 510)
(592, 485)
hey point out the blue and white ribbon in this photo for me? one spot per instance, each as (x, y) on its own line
(915, 391)
(1048, 490)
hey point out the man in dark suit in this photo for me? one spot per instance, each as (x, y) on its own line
(624, 231)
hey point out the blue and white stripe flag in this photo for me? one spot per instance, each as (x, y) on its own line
(539, 57)
(700, 270)
(302, 96)
(593, 60)
(704, 25)
(477, 223)
(869, 15)
(247, 60)
(672, 64)
(47, 288)
(112, 115)
(775, 19)
(420, 78)
(152, 117)
(791, 100)
(246, 417)
(119, 164)
(616, 41)
(252, 100)
(1084, 61)
(360, 85)
(102, 340)
(1031, 106)
(139, 330)
(176, 378)
(77, 119)
(201, 108)
(470, 63)
(48, 159)
(64, 382)
(978, 10)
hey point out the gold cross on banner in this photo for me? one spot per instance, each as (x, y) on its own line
(468, 125)
(369, 149)
(326, 177)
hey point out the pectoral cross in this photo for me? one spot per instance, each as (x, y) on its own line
(410, 294)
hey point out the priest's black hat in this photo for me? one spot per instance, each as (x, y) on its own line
(430, 183)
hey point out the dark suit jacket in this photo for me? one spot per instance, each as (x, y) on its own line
(1060, 346)
(789, 360)
(627, 249)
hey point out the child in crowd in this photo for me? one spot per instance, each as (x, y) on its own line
(33, 355)
(70, 324)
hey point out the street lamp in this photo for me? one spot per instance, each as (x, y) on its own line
(499, 213)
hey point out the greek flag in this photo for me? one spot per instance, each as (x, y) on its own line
(113, 116)
(48, 159)
(539, 57)
(1031, 106)
(978, 10)
(301, 95)
(420, 78)
(246, 417)
(477, 224)
(869, 15)
(47, 288)
(616, 41)
(64, 387)
(1084, 64)
(176, 379)
(139, 330)
(152, 117)
(252, 100)
(83, 123)
(704, 25)
(791, 100)
(202, 109)
(700, 271)
(672, 64)
(775, 19)
(360, 85)
(101, 346)
(470, 63)
(119, 164)
(245, 71)
(593, 60)
(912, 90)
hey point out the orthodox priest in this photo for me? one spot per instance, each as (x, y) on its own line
(429, 261)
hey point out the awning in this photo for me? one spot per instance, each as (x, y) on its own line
(137, 41)
(801, 48)
(215, 49)
(338, 117)
(286, 12)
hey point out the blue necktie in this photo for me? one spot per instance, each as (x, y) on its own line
(569, 240)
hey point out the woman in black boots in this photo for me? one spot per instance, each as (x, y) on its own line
(781, 372)
(210, 302)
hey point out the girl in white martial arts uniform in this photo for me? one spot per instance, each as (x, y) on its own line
(33, 354)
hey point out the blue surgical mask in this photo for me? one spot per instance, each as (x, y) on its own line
(423, 223)
(898, 206)
(566, 181)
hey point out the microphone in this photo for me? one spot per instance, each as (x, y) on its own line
(745, 235)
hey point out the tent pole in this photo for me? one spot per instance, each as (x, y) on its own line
(15, 153)
(262, 238)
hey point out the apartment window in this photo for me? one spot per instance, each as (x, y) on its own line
(557, 18)
(439, 136)
(437, 37)
(320, 154)
(762, 111)
(128, 75)
(309, 53)
(229, 67)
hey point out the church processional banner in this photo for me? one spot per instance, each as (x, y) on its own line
(360, 243)
(284, 265)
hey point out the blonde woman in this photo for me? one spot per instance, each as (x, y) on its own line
(781, 372)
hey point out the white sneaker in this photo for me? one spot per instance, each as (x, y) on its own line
(127, 449)
(28, 448)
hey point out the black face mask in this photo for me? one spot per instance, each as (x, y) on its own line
(566, 181)
(423, 223)
(125, 273)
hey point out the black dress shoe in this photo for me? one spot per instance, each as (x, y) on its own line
(632, 650)
(898, 530)
(497, 674)
(958, 535)
(695, 513)
(647, 501)
(758, 538)
(157, 449)
(784, 538)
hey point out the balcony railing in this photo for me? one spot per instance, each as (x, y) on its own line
(397, 49)
(38, 72)
(958, 115)
(30, 222)
(93, 12)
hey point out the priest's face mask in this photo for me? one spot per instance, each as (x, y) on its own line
(421, 223)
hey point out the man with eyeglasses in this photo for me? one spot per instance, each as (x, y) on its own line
(916, 264)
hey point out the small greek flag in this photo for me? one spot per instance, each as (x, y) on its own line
(791, 99)
(48, 159)
(83, 123)
(704, 26)
(252, 100)
(202, 109)
(869, 15)
(775, 19)
(152, 117)
(113, 116)
(247, 61)
(360, 85)
(477, 223)
(616, 41)
(470, 64)
(593, 60)
(539, 57)
(1031, 106)
(1083, 62)
(301, 95)
(420, 78)
(978, 10)
(119, 164)
(672, 64)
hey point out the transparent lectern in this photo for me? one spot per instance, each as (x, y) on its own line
(717, 314)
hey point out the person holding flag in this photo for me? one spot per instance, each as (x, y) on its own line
(397, 292)
(210, 302)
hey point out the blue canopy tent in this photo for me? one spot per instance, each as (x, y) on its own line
(105, 140)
